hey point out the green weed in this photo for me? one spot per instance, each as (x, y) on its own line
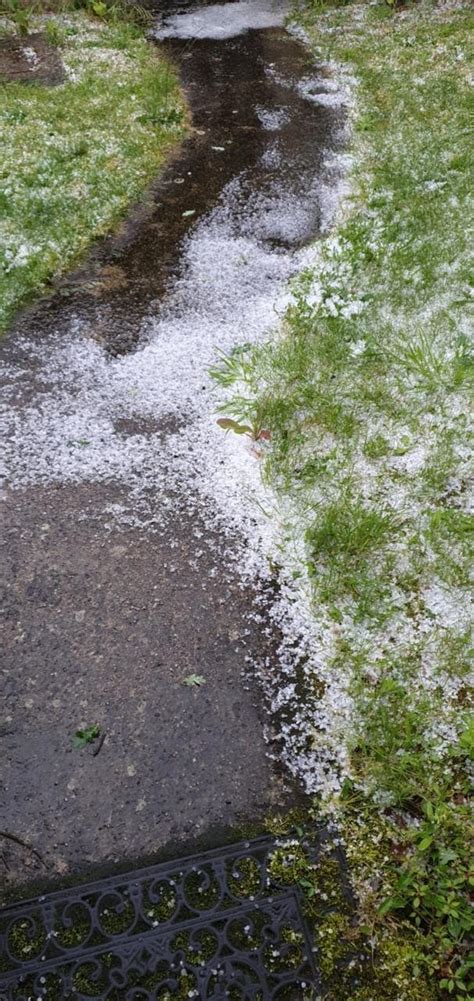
(86, 736)
(377, 447)
(19, 14)
(341, 543)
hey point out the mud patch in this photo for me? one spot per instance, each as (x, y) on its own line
(109, 278)
(30, 59)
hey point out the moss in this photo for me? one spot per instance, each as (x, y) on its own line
(352, 968)
(116, 917)
(333, 942)
(291, 822)
(198, 894)
(331, 888)
(288, 955)
(290, 864)
(358, 957)
(162, 909)
(76, 933)
(383, 957)
(244, 878)
(196, 947)
(85, 980)
(27, 938)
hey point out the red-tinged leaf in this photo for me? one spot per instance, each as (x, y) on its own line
(264, 435)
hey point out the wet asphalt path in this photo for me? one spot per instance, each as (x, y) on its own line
(104, 618)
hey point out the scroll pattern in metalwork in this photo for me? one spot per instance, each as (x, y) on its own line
(211, 926)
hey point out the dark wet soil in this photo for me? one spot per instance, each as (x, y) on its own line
(30, 59)
(103, 622)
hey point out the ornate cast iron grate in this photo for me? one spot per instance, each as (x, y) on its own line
(213, 926)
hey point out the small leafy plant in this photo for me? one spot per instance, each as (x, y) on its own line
(433, 891)
(86, 736)
(99, 8)
(194, 680)
(253, 431)
(55, 33)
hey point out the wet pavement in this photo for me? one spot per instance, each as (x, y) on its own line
(121, 534)
(106, 630)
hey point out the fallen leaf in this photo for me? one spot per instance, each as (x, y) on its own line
(229, 425)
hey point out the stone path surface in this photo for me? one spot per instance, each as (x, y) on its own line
(121, 526)
(105, 631)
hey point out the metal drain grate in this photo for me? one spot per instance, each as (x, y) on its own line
(211, 926)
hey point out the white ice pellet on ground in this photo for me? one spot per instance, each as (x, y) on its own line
(220, 21)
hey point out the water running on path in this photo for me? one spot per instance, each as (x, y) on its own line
(126, 508)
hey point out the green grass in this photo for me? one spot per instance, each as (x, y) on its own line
(367, 399)
(341, 544)
(346, 531)
(74, 156)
